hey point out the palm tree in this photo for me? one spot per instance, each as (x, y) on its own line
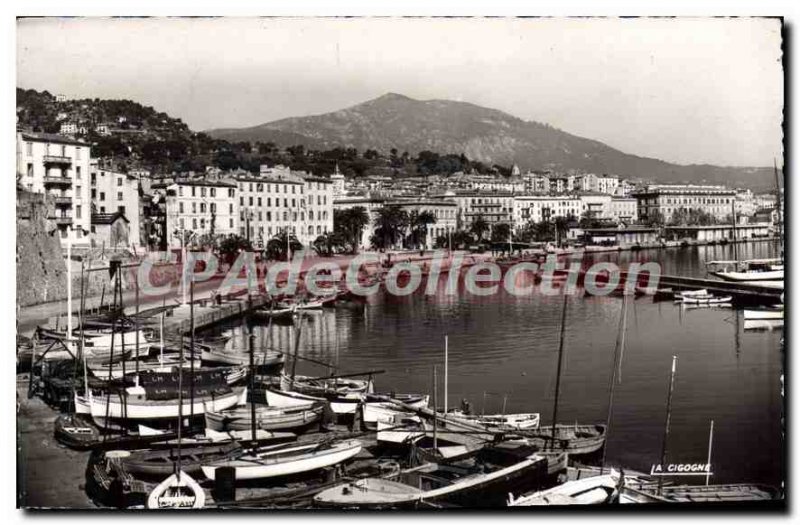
(390, 224)
(328, 244)
(276, 247)
(349, 225)
(479, 227)
(419, 222)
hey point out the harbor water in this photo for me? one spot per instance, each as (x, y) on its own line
(503, 351)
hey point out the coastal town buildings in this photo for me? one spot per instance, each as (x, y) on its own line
(663, 200)
(115, 192)
(58, 166)
(200, 207)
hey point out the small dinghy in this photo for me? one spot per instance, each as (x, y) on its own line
(283, 460)
(264, 359)
(159, 463)
(178, 491)
(706, 299)
(595, 490)
(401, 429)
(480, 482)
(376, 408)
(275, 313)
(76, 431)
(267, 417)
(764, 314)
(501, 422)
(573, 439)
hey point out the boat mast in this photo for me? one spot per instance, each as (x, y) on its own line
(180, 408)
(445, 376)
(250, 339)
(296, 347)
(191, 347)
(136, 287)
(666, 424)
(710, 440)
(613, 380)
(733, 219)
(435, 418)
(558, 369)
(778, 205)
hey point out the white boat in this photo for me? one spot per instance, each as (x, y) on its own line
(400, 429)
(166, 365)
(501, 422)
(178, 491)
(267, 417)
(708, 299)
(372, 412)
(213, 355)
(693, 293)
(483, 483)
(134, 404)
(753, 271)
(776, 312)
(283, 460)
(595, 490)
(763, 324)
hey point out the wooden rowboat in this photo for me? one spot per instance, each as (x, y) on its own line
(178, 491)
(573, 439)
(283, 460)
(267, 417)
(159, 463)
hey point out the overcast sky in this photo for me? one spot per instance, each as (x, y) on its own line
(686, 91)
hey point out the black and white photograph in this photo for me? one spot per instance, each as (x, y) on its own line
(423, 263)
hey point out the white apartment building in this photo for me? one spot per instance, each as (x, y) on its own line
(59, 167)
(116, 192)
(538, 208)
(370, 204)
(607, 184)
(278, 200)
(494, 206)
(595, 205)
(337, 179)
(665, 199)
(200, 206)
(318, 207)
(623, 209)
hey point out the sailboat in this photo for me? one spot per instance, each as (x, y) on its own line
(595, 490)
(179, 490)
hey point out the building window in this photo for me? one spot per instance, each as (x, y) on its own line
(78, 192)
(94, 193)
(119, 181)
(63, 151)
(259, 201)
(213, 192)
(29, 148)
(193, 190)
(182, 224)
(194, 223)
(180, 207)
(231, 222)
(30, 168)
(77, 173)
(230, 209)
(78, 210)
(180, 191)
(78, 153)
(102, 209)
(121, 209)
(119, 195)
(251, 201)
(194, 207)
(202, 192)
(202, 207)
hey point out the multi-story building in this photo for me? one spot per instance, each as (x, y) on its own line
(337, 179)
(200, 206)
(59, 167)
(586, 182)
(370, 204)
(561, 183)
(538, 208)
(113, 192)
(623, 209)
(278, 200)
(68, 128)
(595, 205)
(607, 184)
(494, 206)
(318, 205)
(665, 199)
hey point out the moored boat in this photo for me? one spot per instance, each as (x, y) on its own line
(286, 459)
(595, 490)
(267, 417)
(481, 481)
(178, 491)
(573, 439)
(161, 462)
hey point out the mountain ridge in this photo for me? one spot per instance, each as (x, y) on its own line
(489, 135)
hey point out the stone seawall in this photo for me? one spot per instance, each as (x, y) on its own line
(41, 270)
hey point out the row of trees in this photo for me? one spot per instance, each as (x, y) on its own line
(684, 217)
